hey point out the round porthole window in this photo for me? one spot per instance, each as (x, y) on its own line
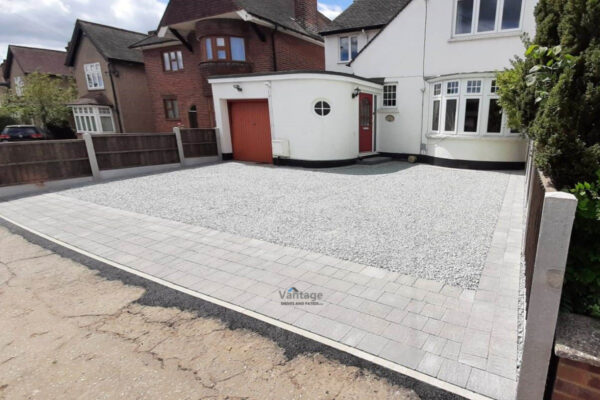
(322, 108)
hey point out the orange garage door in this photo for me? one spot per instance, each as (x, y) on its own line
(251, 131)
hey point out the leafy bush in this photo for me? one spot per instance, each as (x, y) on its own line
(6, 120)
(582, 286)
(61, 130)
(553, 94)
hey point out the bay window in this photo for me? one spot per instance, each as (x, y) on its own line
(93, 119)
(225, 49)
(348, 48)
(468, 107)
(487, 16)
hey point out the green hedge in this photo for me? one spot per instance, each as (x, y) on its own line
(553, 94)
(582, 288)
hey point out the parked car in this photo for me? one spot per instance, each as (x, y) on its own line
(16, 133)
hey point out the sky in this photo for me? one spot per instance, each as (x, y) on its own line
(49, 23)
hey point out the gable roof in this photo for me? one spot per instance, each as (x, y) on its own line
(112, 43)
(280, 12)
(32, 59)
(366, 14)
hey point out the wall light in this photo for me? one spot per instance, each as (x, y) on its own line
(238, 88)
(355, 93)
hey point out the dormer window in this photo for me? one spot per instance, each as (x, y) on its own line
(487, 16)
(348, 48)
(222, 48)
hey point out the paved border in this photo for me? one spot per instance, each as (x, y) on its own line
(64, 249)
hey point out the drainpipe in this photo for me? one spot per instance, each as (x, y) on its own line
(111, 70)
(423, 144)
(273, 47)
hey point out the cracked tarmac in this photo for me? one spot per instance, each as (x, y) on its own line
(67, 331)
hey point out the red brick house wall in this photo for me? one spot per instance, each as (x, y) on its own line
(190, 86)
(576, 381)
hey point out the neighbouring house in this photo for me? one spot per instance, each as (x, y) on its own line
(198, 39)
(435, 61)
(22, 61)
(113, 94)
(3, 86)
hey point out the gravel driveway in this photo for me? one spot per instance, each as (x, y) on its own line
(425, 221)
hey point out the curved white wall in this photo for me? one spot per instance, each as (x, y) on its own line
(479, 149)
(291, 104)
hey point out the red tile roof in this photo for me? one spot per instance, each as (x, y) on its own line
(41, 60)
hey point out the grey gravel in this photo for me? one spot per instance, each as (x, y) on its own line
(429, 222)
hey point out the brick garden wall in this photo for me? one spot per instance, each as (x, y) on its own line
(576, 381)
(190, 86)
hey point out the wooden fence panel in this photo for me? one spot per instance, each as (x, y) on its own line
(38, 162)
(135, 150)
(199, 143)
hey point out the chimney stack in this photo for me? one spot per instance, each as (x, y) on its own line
(306, 13)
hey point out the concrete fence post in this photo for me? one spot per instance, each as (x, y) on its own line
(177, 132)
(89, 146)
(558, 215)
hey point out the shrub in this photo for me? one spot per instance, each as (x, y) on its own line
(582, 285)
(6, 120)
(553, 94)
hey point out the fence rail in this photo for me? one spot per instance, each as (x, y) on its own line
(38, 162)
(101, 156)
(135, 150)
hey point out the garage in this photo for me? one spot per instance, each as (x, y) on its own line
(307, 118)
(251, 131)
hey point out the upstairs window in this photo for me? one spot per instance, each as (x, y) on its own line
(173, 61)
(389, 96)
(487, 16)
(19, 85)
(348, 48)
(225, 49)
(93, 76)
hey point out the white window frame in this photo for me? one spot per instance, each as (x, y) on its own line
(435, 96)
(19, 85)
(349, 37)
(172, 61)
(393, 100)
(450, 96)
(475, 20)
(462, 115)
(484, 96)
(93, 73)
(88, 118)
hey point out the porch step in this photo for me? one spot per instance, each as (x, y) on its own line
(375, 160)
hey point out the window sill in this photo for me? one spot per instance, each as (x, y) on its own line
(483, 36)
(486, 137)
(95, 89)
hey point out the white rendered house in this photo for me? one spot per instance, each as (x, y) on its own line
(437, 61)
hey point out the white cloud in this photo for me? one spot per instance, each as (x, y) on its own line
(330, 11)
(49, 23)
